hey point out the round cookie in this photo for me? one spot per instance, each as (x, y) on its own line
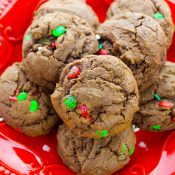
(23, 105)
(157, 106)
(158, 9)
(139, 41)
(77, 7)
(96, 96)
(95, 157)
(51, 42)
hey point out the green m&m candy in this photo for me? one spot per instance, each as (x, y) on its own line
(156, 96)
(34, 106)
(156, 127)
(102, 133)
(158, 16)
(124, 149)
(70, 102)
(132, 151)
(100, 46)
(27, 37)
(22, 96)
(58, 31)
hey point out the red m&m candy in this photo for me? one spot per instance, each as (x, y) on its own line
(83, 109)
(74, 72)
(53, 46)
(166, 104)
(84, 112)
(173, 119)
(14, 99)
(103, 52)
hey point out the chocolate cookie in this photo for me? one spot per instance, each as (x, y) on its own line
(77, 7)
(157, 106)
(158, 9)
(23, 105)
(95, 157)
(51, 42)
(139, 41)
(96, 96)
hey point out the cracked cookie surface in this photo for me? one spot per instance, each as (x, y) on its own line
(23, 105)
(95, 157)
(77, 7)
(157, 106)
(139, 41)
(42, 63)
(100, 100)
(147, 7)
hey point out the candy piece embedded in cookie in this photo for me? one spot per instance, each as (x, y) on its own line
(139, 41)
(157, 9)
(157, 106)
(100, 100)
(51, 42)
(23, 105)
(92, 156)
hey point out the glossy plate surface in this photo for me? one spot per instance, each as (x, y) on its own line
(22, 155)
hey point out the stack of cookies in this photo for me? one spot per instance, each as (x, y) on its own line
(91, 76)
(97, 104)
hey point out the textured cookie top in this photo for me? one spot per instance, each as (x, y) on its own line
(77, 7)
(158, 9)
(137, 40)
(22, 103)
(164, 86)
(95, 157)
(148, 7)
(157, 109)
(96, 93)
(52, 41)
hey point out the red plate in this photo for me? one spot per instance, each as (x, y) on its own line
(22, 155)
